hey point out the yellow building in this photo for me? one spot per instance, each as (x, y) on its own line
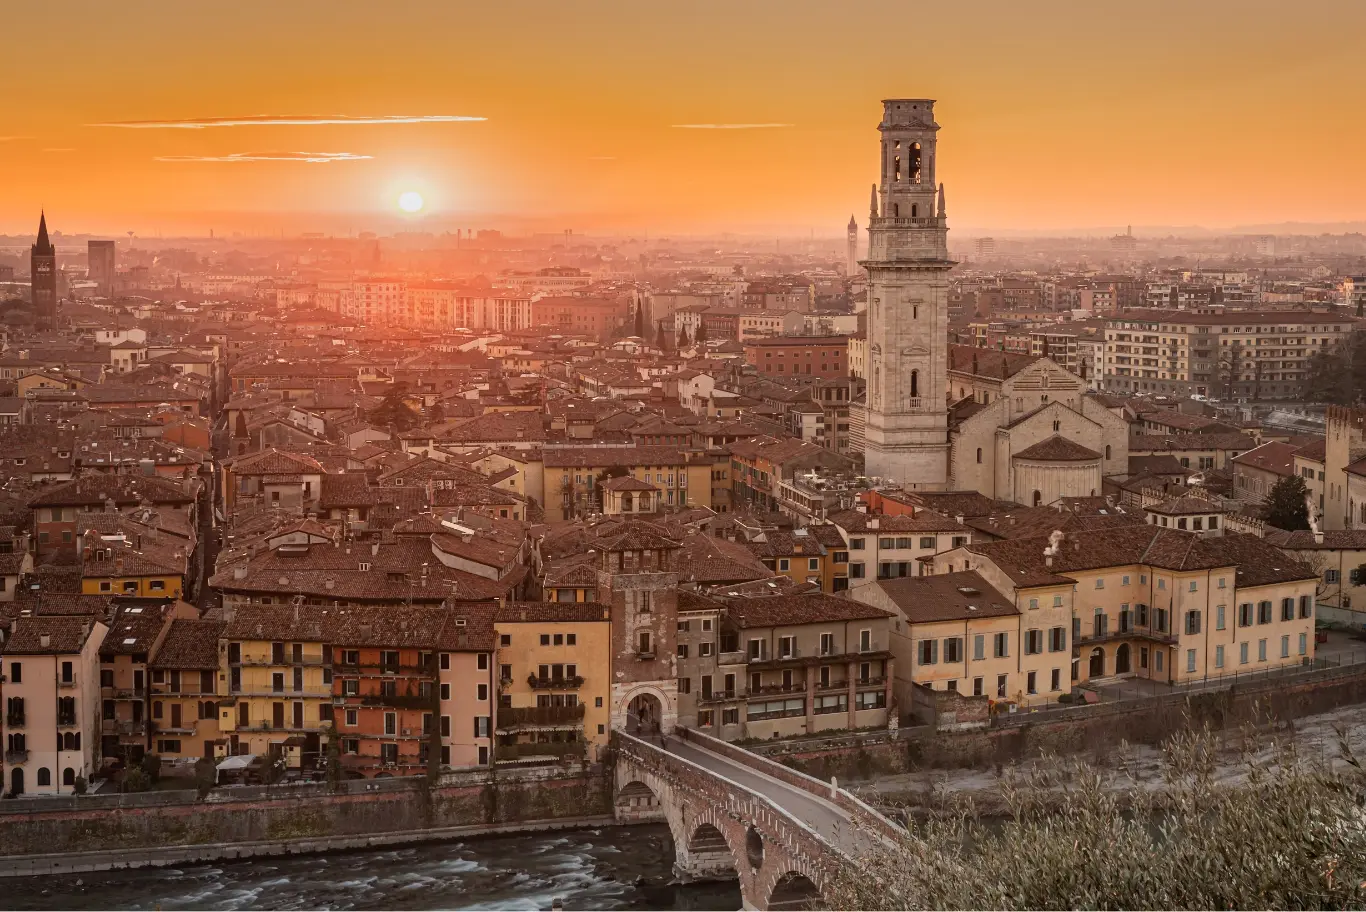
(1147, 602)
(278, 683)
(554, 680)
(952, 632)
(574, 476)
(130, 559)
(185, 692)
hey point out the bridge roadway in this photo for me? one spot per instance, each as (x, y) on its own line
(828, 819)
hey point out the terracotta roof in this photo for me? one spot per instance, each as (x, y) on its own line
(852, 521)
(552, 612)
(1189, 505)
(65, 635)
(190, 644)
(964, 595)
(122, 489)
(987, 362)
(791, 610)
(586, 457)
(627, 483)
(1058, 449)
(1278, 458)
(1315, 451)
(1159, 443)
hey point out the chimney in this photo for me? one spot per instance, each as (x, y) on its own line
(1318, 538)
(1048, 560)
(872, 522)
(44, 640)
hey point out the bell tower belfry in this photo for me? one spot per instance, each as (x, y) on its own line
(908, 320)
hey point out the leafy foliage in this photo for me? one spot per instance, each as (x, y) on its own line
(1285, 506)
(151, 766)
(392, 410)
(1287, 834)
(1338, 376)
(135, 780)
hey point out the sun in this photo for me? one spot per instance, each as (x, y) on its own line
(410, 201)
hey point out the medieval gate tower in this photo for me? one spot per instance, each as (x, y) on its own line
(908, 319)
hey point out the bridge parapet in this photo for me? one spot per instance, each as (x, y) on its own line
(859, 813)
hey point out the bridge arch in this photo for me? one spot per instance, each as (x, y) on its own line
(645, 711)
(794, 890)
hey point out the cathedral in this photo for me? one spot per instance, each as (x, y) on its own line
(951, 417)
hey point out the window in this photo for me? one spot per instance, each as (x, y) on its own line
(1001, 645)
(787, 647)
(505, 639)
(1033, 642)
(1264, 612)
(1057, 601)
(1285, 646)
(1245, 614)
(1287, 609)
(1192, 622)
(545, 639)
(352, 717)
(1304, 643)
(1001, 681)
(1100, 582)
(1218, 657)
(1057, 640)
(783, 563)
(1306, 606)
(813, 563)
(1031, 681)
(16, 672)
(927, 541)
(1033, 603)
(1190, 661)
(855, 544)
(1261, 650)
(1055, 680)
(827, 644)
(865, 641)
(977, 687)
(1242, 653)
(953, 649)
(929, 652)
(1219, 618)
(979, 647)
(685, 685)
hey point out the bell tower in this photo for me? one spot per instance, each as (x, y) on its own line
(908, 265)
(851, 264)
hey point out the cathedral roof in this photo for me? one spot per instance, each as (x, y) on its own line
(1058, 449)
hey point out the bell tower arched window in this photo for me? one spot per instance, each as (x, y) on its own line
(915, 384)
(913, 165)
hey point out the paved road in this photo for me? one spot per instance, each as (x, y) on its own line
(825, 817)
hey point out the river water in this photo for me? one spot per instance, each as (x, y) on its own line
(608, 868)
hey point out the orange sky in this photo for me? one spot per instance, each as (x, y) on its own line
(1055, 113)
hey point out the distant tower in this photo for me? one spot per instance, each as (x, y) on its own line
(43, 278)
(101, 266)
(851, 264)
(908, 264)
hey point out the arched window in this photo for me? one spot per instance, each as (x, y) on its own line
(44, 776)
(913, 165)
(68, 776)
(1107, 451)
(1057, 426)
(896, 210)
(979, 455)
(1038, 499)
(915, 384)
(915, 210)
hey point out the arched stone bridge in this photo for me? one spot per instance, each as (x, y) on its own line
(734, 814)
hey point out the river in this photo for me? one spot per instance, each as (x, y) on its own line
(608, 868)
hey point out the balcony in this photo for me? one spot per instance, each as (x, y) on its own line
(550, 750)
(549, 716)
(121, 693)
(66, 721)
(14, 721)
(570, 683)
(735, 657)
(646, 656)
(878, 681)
(16, 756)
(131, 728)
(1106, 635)
(720, 696)
(797, 687)
(66, 683)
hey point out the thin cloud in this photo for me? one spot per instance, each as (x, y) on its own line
(313, 158)
(602, 158)
(60, 149)
(13, 138)
(267, 120)
(731, 126)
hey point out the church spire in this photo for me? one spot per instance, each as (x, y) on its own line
(44, 246)
(872, 209)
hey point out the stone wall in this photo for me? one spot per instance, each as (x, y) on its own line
(460, 800)
(1096, 730)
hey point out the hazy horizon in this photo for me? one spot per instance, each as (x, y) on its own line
(621, 118)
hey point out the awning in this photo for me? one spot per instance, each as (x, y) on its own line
(236, 762)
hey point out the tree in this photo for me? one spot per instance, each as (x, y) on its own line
(151, 766)
(393, 411)
(661, 338)
(80, 785)
(701, 333)
(1286, 506)
(334, 767)
(135, 780)
(1288, 835)
(682, 338)
(436, 412)
(205, 776)
(640, 320)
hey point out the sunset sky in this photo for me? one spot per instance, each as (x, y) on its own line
(1056, 114)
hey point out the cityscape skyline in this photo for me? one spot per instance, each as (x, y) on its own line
(308, 140)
